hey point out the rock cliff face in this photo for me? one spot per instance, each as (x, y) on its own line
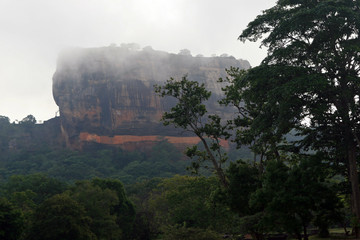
(106, 95)
(31, 137)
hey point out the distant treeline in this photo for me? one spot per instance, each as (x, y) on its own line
(22, 153)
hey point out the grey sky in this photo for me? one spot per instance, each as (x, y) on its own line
(32, 32)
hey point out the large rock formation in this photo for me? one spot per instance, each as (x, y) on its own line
(106, 95)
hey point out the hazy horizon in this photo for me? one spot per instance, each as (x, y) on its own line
(34, 32)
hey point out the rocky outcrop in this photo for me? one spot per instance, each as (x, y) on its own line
(106, 94)
(29, 136)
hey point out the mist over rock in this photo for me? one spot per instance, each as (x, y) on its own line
(106, 95)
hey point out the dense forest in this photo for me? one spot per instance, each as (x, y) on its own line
(298, 113)
(36, 176)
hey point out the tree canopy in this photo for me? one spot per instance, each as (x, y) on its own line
(309, 80)
(11, 221)
(61, 217)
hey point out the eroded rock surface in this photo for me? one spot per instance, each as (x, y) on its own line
(108, 92)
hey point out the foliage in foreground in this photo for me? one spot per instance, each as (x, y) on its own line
(39, 209)
(286, 198)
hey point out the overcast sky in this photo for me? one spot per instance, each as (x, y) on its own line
(32, 32)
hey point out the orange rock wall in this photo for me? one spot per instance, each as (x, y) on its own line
(130, 142)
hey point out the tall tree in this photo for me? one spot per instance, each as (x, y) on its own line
(98, 204)
(310, 77)
(60, 217)
(251, 130)
(124, 209)
(106, 203)
(190, 114)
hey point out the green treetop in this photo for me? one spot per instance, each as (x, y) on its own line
(310, 77)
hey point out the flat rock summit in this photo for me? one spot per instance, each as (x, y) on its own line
(106, 95)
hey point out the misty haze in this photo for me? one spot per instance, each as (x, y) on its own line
(172, 120)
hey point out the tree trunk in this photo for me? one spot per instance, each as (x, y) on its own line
(355, 193)
(219, 171)
(306, 237)
(257, 236)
